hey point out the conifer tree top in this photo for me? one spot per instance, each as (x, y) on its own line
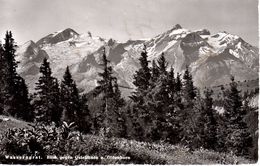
(162, 64)
(45, 68)
(67, 77)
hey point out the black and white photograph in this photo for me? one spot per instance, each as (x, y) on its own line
(109, 82)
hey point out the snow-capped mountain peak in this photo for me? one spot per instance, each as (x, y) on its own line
(212, 58)
(57, 37)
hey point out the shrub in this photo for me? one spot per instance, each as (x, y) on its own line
(40, 140)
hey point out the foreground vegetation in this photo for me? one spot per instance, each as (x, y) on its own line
(42, 141)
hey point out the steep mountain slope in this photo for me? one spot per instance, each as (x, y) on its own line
(58, 37)
(212, 58)
(30, 57)
(63, 48)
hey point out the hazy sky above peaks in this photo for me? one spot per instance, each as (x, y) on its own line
(127, 19)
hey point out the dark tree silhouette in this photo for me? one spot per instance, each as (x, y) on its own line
(238, 138)
(47, 97)
(70, 98)
(110, 118)
(14, 91)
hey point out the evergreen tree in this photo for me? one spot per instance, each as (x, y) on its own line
(188, 113)
(84, 120)
(105, 88)
(178, 84)
(178, 89)
(14, 91)
(154, 73)
(189, 92)
(111, 115)
(193, 130)
(143, 83)
(106, 83)
(117, 114)
(120, 102)
(158, 102)
(162, 64)
(25, 108)
(211, 124)
(207, 124)
(55, 99)
(47, 96)
(142, 76)
(156, 105)
(174, 107)
(238, 138)
(70, 98)
(10, 76)
(9, 58)
(222, 131)
(171, 85)
(162, 96)
(134, 127)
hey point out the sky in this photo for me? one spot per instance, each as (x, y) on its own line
(127, 19)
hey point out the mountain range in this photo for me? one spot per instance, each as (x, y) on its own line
(212, 58)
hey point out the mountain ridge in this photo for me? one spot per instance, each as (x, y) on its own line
(212, 58)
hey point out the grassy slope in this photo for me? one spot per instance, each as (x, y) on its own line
(143, 152)
(162, 153)
(11, 123)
